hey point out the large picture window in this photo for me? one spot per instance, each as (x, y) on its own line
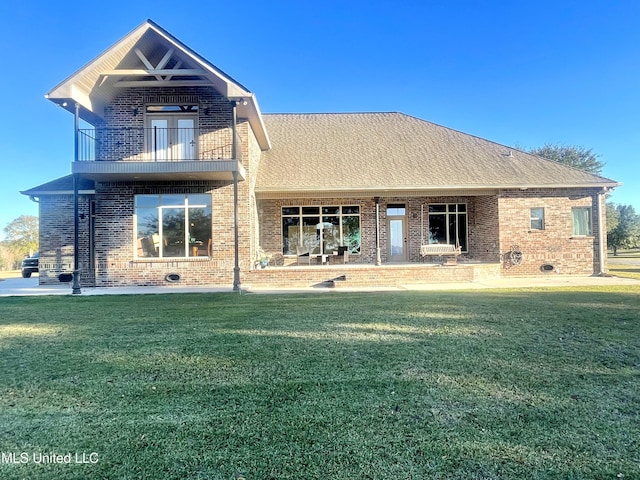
(320, 229)
(173, 226)
(448, 224)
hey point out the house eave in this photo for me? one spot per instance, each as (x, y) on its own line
(412, 191)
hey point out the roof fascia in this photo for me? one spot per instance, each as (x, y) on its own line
(65, 92)
(466, 189)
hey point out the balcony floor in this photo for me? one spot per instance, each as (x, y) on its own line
(154, 171)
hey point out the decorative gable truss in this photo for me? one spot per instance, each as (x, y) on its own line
(169, 71)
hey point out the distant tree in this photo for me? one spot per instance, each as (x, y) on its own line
(613, 216)
(574, 156)
(21, 235)
(623, 227)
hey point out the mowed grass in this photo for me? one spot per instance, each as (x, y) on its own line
(624, 270)
(619, 267)
(535, 384)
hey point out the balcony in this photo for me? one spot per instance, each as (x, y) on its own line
(111, 154)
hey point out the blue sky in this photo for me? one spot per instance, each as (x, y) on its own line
(521, 73)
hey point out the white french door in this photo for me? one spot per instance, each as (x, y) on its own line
(172, 138)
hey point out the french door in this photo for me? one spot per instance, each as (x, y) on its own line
(172, 138)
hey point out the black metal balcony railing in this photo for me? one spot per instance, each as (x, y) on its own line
(153, 144)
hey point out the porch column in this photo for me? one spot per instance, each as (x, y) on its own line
(75, 288)
(236, 252)
(378, 258)
(601, 234)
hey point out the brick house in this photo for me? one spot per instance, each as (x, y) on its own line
(179, 177)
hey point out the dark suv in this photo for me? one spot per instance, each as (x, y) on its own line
(30, 265)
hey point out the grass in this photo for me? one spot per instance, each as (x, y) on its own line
(624, 271)
(536, 384)
(631, 253)
(619, 266)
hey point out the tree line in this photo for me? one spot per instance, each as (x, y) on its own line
(21, 240)
(623, 223)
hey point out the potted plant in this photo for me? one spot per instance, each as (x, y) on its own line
(263, 258)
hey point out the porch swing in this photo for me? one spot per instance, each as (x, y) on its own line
(447, 251)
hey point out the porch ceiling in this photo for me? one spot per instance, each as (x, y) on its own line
(147, 171)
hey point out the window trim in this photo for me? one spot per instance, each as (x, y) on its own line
(171, 148)
(446, 213)
(159, 208)
(589, 217)
(533, 218)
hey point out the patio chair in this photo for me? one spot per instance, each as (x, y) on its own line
(303, 255)
(342, 256)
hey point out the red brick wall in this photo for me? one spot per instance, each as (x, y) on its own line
(555, 245)
(57, 236)
(495, 224)
(115, 262)
(482, 226)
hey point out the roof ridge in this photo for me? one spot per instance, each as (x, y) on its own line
(335, 113)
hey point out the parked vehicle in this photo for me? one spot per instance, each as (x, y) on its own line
(30, 265)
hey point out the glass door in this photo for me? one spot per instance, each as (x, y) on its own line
(397, 235)
(172, 138)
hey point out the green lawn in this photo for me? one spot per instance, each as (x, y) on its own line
(529, 384)
(625, 270)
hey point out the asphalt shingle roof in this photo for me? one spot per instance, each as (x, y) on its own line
(356, 151)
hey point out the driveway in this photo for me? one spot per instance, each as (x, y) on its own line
(29, 286)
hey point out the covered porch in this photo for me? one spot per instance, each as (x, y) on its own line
(385, 230)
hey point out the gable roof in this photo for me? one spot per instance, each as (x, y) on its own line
(149, 56)
(395, 152)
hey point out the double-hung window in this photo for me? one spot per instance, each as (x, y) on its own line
(581, 221)
(173, 226)
(537, 218)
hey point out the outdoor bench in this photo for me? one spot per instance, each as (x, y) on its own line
(445, 250)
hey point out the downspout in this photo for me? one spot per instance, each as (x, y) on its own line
(75, 288)
(601, 234)
(234, 154)
(378, 258)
